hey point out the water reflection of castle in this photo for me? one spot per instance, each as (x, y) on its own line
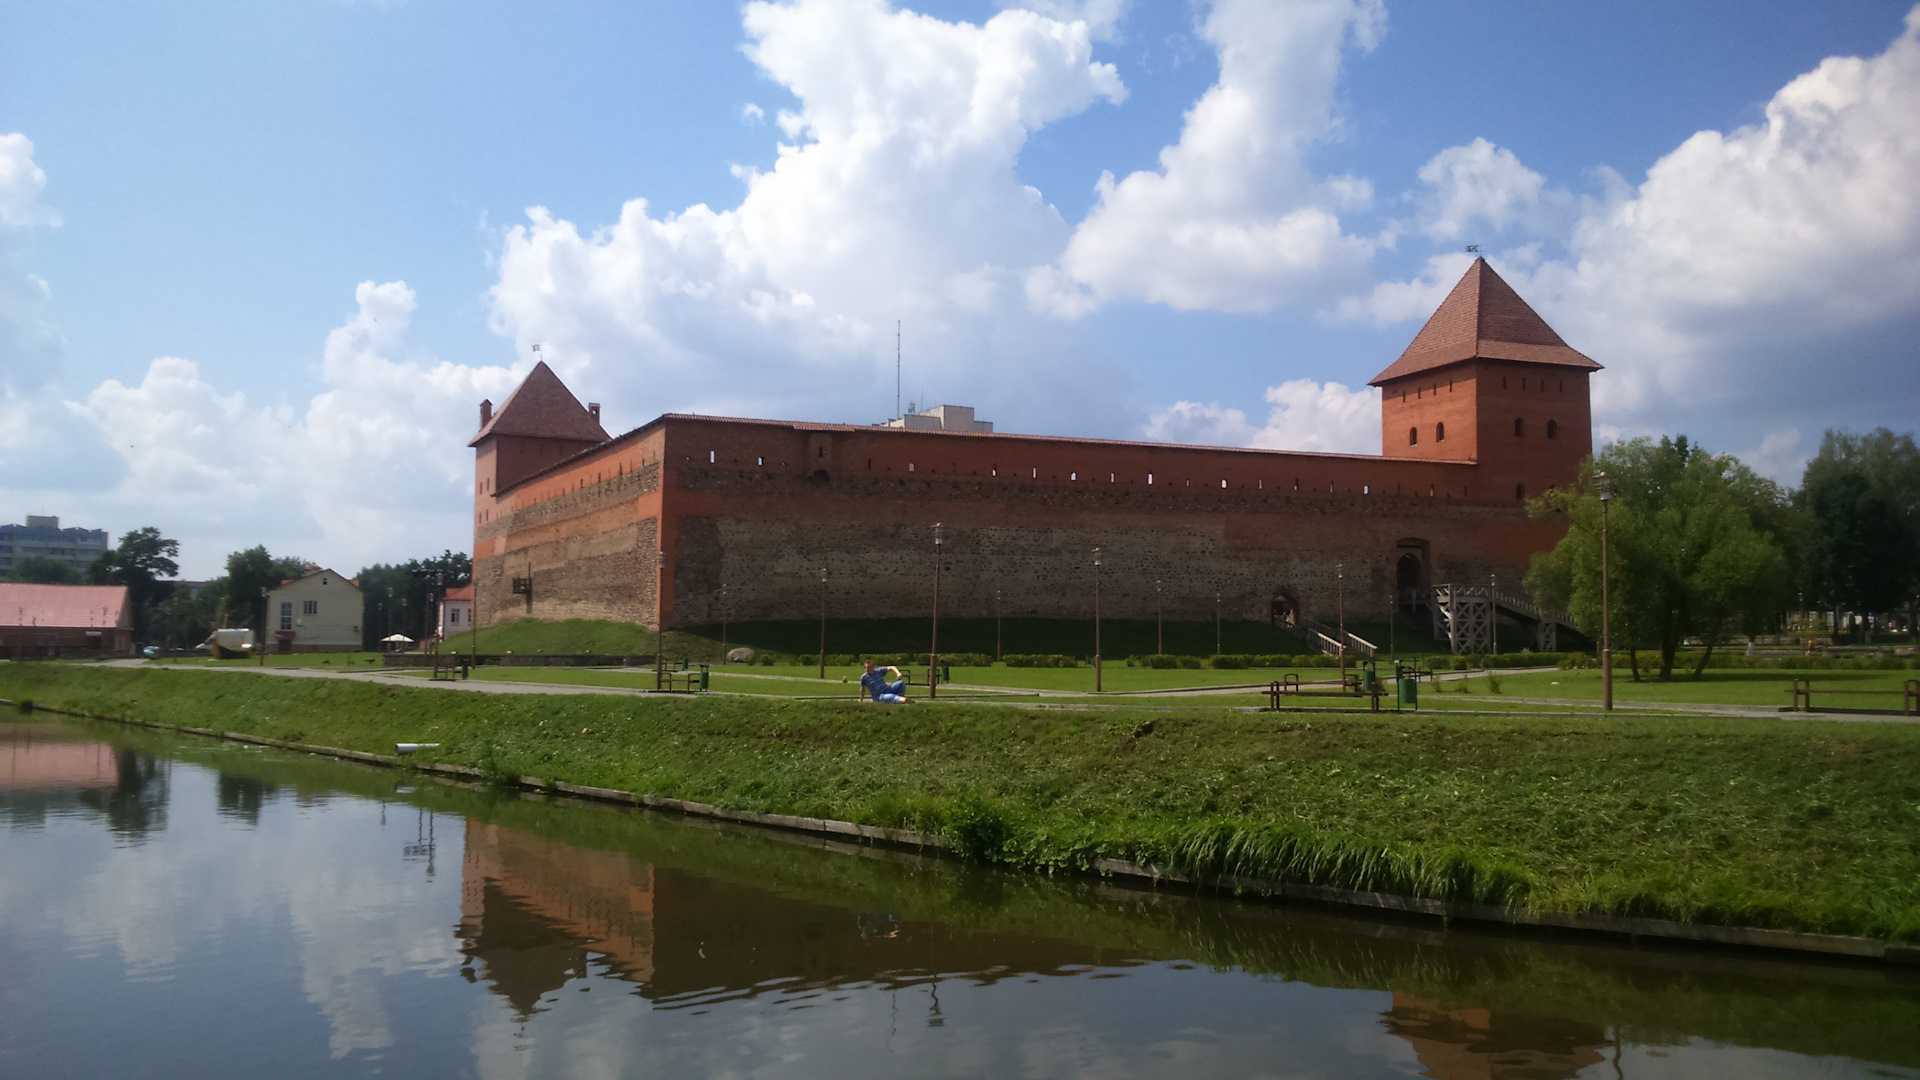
(534, 912)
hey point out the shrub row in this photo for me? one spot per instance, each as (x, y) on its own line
(1738, 660)
(1237, 661)
(1040, 660)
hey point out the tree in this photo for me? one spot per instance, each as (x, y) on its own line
(40, 570)
(141, 560)
(250, 573)
(1695, 549)
(399, 597)
(1861, 497)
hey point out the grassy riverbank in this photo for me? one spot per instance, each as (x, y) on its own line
(1779, 824)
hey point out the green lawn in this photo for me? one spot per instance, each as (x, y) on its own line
(1727, 686)
(1756, 822)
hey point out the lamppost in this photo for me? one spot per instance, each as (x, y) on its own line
(1096, 620)
(823, 622)
(723, 622)
(659, 622)
(1159, 620)
(1340, 601)
(1493, 618)
(1605, 484)
(1392, 653)
(933, 646)
(1216, 622)
(996, 625)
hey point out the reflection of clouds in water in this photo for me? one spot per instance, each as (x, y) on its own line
(1698, 1057)
(210, 886)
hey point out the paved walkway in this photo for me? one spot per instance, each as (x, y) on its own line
(397, 677)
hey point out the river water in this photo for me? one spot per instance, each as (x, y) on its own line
(172, 906)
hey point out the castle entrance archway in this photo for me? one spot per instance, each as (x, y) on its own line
(1411, 581)
(1284, 610)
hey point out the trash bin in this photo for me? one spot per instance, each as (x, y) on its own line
(1369, 678)
(1410, 693)
(706, 678)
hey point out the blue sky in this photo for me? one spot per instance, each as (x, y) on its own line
(297, 235)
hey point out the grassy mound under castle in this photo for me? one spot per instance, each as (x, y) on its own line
(1783, 824)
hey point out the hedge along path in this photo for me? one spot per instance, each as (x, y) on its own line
(1750, 832)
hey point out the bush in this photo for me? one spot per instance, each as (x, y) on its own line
(1231, 662)
(1157, 661)
(1039, 660)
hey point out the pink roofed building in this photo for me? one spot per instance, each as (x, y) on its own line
(64, 620)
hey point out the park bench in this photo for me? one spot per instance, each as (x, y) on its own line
(688, 680)
(449, 668)
(1802, 691)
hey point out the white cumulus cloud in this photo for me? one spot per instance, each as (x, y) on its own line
(1302, 414)
(897, 198)
(1233, 219)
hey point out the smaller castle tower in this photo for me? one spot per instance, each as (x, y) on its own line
(1487, 380)
(541, 423)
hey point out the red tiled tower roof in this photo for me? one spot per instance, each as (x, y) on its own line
(1483, 318)
(543, 408)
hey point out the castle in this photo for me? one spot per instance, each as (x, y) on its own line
(689, 519)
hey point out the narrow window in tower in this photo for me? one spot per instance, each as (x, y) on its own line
(760, 460)
(1329, 487)
(1366, 489)
(1149, 479)
(1440, 432)
(1520, 491)
(1503, 382)
(1033, 473)
(1429, 491)
(1223, 485)
(1296, 483)
(711, 457)
(995, 471)
(1523, 382)
(1413, 436)
(1074, 475)
(823, 452)
(1109, 478)
(1553, 429)
(909, 466)
(1563, 386)
(1449, 386)
(1519, 427)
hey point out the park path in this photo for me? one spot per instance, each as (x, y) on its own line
(395, 677)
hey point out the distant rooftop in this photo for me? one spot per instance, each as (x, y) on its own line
(943, 418)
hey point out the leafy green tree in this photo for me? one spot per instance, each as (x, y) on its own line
(40, 570)
(1861, 498)
(187, 617)
(400, 597)
(1695, 549)
(250, 573)
(141, 561)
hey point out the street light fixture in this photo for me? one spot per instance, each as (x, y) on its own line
(996, 625)
(933, 646)
(659, 622)
(723, 622)
(1096, 620)
(1216, 622)
(1159, 620)
(1340, 600)
(823, 622)
(1493, 618)
(1605, 484)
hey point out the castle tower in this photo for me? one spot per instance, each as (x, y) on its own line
(1487, 380)
(541, 423)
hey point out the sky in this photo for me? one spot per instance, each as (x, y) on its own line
(260, 262)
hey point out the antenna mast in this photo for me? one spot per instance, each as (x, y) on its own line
(896, 369)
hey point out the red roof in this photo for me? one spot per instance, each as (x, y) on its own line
(1483, 318)
(460, 592)
(63, 606)
(542, 407)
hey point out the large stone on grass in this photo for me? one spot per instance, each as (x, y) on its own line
(741, 655)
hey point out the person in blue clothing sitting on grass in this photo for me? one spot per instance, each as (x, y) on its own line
(884, 685)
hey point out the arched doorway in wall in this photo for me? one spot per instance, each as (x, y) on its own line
(1284, 609)
(1411, 582)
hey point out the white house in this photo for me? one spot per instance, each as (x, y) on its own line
(316, 612)
(456, 611)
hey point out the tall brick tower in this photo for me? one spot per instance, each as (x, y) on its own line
(541, 423)
(1487, 380)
